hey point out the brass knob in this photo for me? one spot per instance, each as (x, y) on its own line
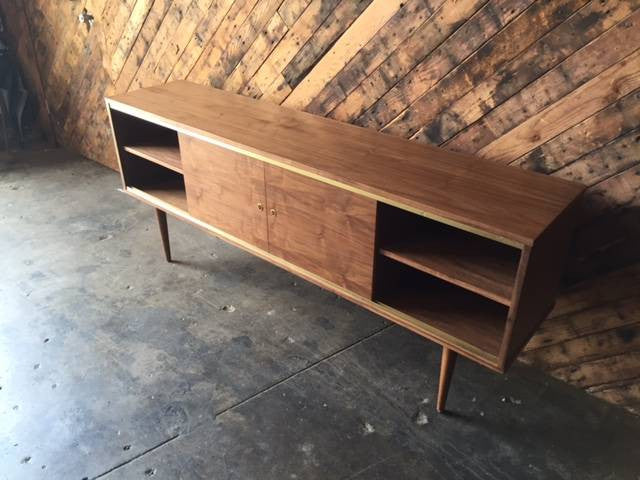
(260, 207)
(273, 212)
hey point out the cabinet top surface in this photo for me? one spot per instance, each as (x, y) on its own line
(503, 201)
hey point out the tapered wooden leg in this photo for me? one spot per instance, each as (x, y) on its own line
(446, 369)
(164, 233)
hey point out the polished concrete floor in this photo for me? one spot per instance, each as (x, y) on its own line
(117, 365)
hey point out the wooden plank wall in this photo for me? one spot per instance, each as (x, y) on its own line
(548, 85)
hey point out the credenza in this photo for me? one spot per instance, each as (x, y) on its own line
(458, 249)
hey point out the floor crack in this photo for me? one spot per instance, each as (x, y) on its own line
(253, 396)
(305, 369)
(135, 457)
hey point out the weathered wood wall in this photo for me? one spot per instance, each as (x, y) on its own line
(548, 85)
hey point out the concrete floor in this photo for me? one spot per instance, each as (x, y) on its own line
(117, 365)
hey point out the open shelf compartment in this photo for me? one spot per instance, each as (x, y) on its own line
(478, 264)
(148, 140)
(442, 310)
(150, 159)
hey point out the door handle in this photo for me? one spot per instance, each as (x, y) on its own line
(273, 212)
(260, 206)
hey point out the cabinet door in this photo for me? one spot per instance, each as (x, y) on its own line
(225, 189)
(322, 229)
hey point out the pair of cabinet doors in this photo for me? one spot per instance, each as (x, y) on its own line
(318, 227)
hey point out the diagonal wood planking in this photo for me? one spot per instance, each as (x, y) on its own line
(363, 29)
(548, 85)
(618, 80)
(486, 22)
(536, 20)
(542, 56)
(399, 29)
(414, 49)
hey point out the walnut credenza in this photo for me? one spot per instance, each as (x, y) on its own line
(458, 249)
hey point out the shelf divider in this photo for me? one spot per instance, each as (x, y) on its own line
(474, 263)
(167, 155)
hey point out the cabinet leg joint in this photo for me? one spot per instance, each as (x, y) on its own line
(446, 370)
(164, 233)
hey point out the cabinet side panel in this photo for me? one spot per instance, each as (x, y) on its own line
(225, 189)
(539, 275)
(321, 228)
(117, 144)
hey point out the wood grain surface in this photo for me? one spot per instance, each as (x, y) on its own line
(509, 203)
(226, 190)
(323, 229)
